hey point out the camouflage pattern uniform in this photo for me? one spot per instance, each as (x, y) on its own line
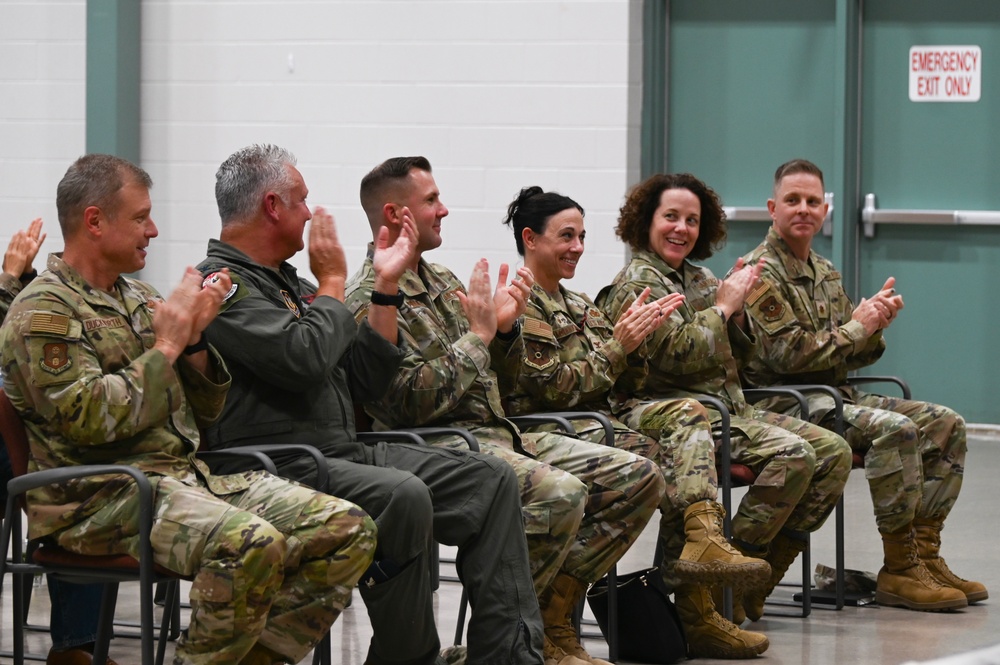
(583, 504)
(272, 563)
(801, 469)
(297, 363)
(572, 361)
(10, 286)
(914, 451)
(75, 608)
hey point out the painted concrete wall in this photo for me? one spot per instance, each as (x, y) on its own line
(497, 94)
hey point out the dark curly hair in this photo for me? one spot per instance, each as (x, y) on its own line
(532, 209)
(636, 216)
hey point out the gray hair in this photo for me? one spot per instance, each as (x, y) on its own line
(94, 180)
(247, 175)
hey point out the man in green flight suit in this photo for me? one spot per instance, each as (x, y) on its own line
(298, 361)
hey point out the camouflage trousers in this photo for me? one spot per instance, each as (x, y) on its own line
(677, 435)
(273, 564)
(914, 456)
(801, 469)
(583, 504)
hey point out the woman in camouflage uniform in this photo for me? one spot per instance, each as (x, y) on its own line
(801, 469)
(573, 357)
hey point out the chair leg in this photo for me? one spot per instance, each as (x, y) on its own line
(170, 623)
(434, 565)
(322, 654)
(463, 605)
(105, 626)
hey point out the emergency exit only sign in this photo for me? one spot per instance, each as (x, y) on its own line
(945, 73)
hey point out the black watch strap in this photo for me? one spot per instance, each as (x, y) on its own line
(200, 345)
(387, 300)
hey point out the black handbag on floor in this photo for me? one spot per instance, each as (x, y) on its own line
(649, 629)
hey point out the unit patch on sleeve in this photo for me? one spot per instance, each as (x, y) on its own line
(55, 359)
(772, 309)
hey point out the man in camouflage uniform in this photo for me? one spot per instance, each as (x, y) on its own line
(583, 505)
(75, 608)
(298, 360)
(811, 332)
(801, 469)
(573, 357)
(100, 379)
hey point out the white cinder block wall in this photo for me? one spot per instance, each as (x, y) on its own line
(498, 94)
(42, 99)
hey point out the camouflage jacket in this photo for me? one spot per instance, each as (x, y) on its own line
(10, 286)
(695, 352)
(298, 361)
(80, 368)
(803, 320)
(448, 377)
(571, 359)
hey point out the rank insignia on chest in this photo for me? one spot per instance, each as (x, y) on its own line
(55, 359)
(290, 302)
(771, 309)
(821, 308)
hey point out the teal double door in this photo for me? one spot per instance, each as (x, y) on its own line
(736, 87)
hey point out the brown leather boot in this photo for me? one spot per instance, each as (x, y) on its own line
(928, 535)
(708, 634)
(558, 605)
(904, 580)
(709, 558)
(785, 547)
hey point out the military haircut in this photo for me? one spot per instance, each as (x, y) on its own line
(532, 209)
(94, 180)
(636, 216)
(247, 175)
(378, 183)
(794, 166)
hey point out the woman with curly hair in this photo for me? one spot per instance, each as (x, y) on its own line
(573, 357)
(801, 469)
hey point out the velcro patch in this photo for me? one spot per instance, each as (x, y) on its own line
(55, 359)
(537, 328)
(216, 277)
(772, 309)
(94, 324)
(46, 322)
(757, 293)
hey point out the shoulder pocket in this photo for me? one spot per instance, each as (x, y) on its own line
(53, 347)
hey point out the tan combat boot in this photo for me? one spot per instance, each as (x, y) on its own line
(904, 580)
(555, 656)
(928, 534)
(708, 634)
(785, 547)
(560, 601)
(708, 558)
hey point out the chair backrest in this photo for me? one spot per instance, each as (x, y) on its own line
(14, 435)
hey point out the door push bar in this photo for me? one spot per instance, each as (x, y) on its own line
(750, 214)
(870, 216)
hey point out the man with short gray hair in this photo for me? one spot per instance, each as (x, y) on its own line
(299, 362)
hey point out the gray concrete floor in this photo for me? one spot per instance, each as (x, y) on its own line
(869, 634)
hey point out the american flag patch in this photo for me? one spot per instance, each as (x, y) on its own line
(44, 322)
